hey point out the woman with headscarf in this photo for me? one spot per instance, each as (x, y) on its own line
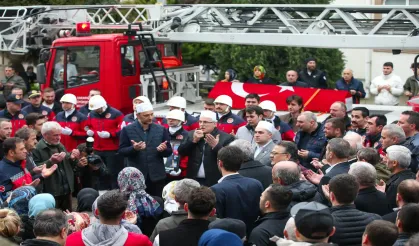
(146, 207)
(19, 201)
(259, 76)
(130, 227)
(85, 199)
(218, 237)
(230, 76)
(77, 221)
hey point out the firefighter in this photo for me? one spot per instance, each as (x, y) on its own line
(175, 119)
(72, 122)
(36, 106)
(227, 121)
(13, 112)
(85, 109)
(129, 118)
(190, 123)
(269, 109)
(104, 124)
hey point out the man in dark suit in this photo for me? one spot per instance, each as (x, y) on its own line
(237, 196)
(337, 154)
(251, 168)
(369, 199)
(407, 192)
(201, 146)
(145, 144)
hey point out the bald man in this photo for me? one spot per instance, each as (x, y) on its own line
(288, 173)
(349, 83)
(292, 80)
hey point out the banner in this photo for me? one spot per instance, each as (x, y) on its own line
(314, 99)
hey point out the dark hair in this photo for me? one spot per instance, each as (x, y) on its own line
(339, 147)
(290, 148)
(388, 64)
(413, 118)
(29, 67)
(82, 147)
(209, 101)
(381, 119)
(10, 144)
(337, 123)
(279, 196)
(24, 133)
(381, 233)
(409, 191)
(49, 223)
(345, 187)
(201, 201)
(296, 98)
(253, 108)
(409, 217)
(364, 111)
(413, 240)
(369, 155)
(48, 89)
(112, 204)
(231, 157)
(32, 118)
(253, 96)
(95, 89)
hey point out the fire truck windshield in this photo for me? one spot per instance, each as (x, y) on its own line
(82, 67)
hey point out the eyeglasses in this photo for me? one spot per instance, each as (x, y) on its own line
(205, 122)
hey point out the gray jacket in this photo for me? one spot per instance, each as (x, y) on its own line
(264, 155)
(17, 81)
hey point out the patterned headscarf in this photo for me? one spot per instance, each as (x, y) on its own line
(77, 222)
(262, 71)
(131, 180)
(20, 199)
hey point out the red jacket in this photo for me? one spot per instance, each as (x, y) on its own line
(191, 123)
(286, 131)
(12, 175)
(75, 239)
(17, 120)
(76, 122)
(230, 123)
(109, 121)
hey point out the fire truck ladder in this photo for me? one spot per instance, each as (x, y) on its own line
(322, 26)
(149, 47)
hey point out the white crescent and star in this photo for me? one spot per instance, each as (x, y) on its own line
(237, 88)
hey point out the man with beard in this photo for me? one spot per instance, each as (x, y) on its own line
(48, 96)
(37, 107)
(375, 124)
(312, 76)
(338, 110)
(227, 121)
(5, 132)
(359, 120)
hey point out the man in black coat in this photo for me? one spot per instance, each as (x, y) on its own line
(237, 196)
(350, 222)
(398, 160)
(407, 192)
(200, 206)
(274, 204)
(202, 146)
(369, 199)
(251, 168)
(292, 80)
(312, 76)
(145, 144)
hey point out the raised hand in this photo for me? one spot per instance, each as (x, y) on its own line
(46, 172)
(138, 145)
(162, 147)
(211, 141)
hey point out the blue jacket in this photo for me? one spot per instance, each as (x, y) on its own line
(238, 198)
(45, 111)
(314, 144)
(353, 85)
(149, 161)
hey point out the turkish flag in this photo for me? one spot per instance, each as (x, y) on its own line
(313, 99)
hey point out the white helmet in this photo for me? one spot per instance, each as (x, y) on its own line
(224, 99)
(268, 105)
(96, 102)
(69, 98)
(178, 102)
(176, 114)
(142, 99)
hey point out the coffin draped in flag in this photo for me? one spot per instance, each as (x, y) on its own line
(313, 99)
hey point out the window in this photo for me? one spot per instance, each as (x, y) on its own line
(152, 53)
(401, 2)
(171, 49)
(82, 66)
(127, 61)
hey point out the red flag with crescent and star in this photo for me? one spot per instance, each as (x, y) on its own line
(313, 99)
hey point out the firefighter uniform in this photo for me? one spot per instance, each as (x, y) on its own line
(72, 123)
(18, 119)
(189, 123)
(286, 131)
(227, 121)
(104, 127)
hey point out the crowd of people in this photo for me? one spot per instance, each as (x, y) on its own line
(251, 178)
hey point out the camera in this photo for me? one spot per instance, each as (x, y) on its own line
(92, 159)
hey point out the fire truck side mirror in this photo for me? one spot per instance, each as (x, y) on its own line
(44, 55)
(41, 73)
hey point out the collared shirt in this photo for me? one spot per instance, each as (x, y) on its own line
(331, 166)
(201, 171)
(259, 149)
(48, 105)
(223, 177)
